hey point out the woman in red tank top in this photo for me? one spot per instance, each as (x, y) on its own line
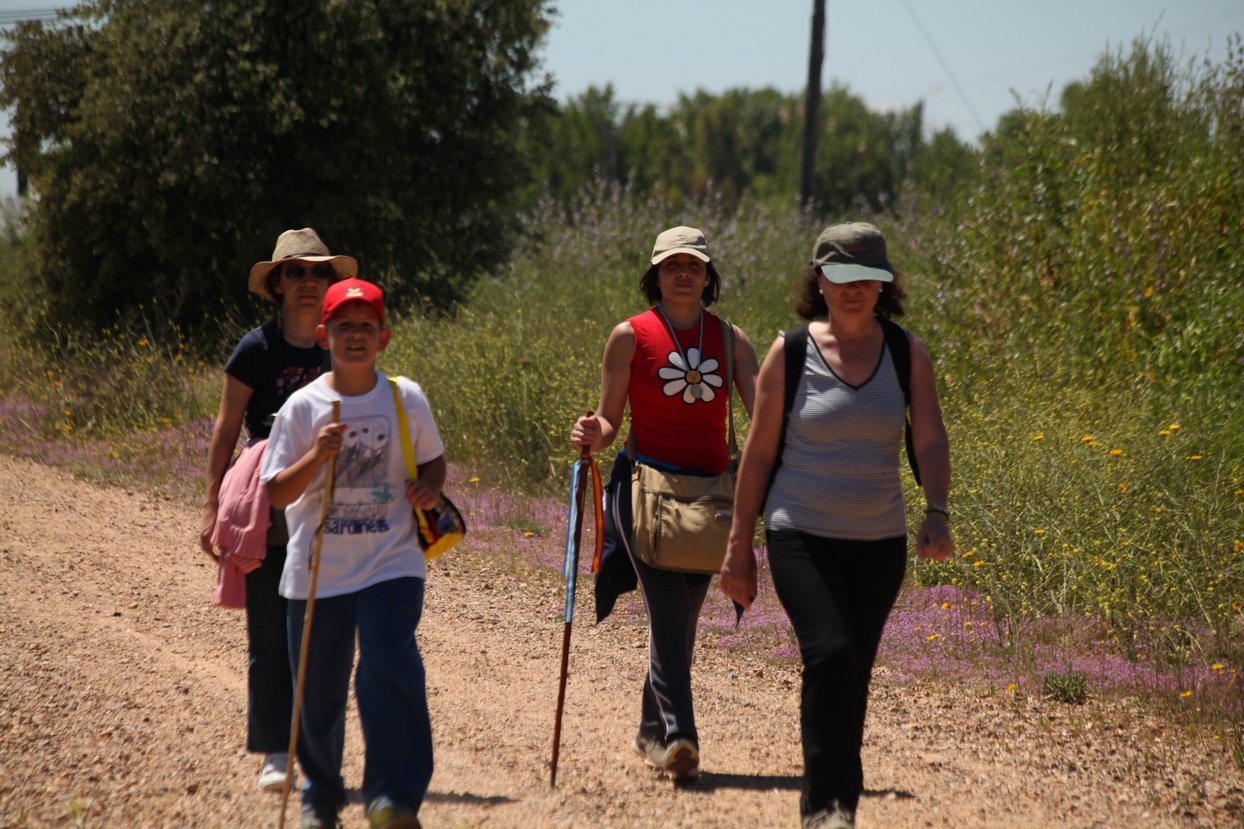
(668, 363)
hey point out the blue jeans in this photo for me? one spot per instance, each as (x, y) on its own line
(389, 684)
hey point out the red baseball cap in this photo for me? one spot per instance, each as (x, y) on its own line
(353, 290)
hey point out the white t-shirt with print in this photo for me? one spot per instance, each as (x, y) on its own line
(371, 532)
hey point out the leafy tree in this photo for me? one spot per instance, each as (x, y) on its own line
(170, 141)
(944, 167)
(863, 156)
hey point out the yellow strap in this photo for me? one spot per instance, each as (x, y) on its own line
(403, 428)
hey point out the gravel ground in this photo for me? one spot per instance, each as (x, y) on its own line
(122, 695)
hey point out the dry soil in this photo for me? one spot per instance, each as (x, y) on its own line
(122, 695)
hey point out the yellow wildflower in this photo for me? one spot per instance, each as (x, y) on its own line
(1164, 432)
(1039, 532)
(978, 564)
(1194, 457)
(1185, 693)
(1116, 452)
(1038, 437)
(474, 480)
(934, 636)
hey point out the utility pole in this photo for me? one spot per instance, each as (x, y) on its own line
(812, 107)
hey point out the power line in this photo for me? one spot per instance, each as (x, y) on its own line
(928, 38)
(8, 18)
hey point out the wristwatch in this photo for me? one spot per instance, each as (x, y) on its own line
(935, 506)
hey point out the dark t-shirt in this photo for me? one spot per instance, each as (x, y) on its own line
(275, 369)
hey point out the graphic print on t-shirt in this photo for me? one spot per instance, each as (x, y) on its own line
(362, 494)
(692, 380)
(293, 378)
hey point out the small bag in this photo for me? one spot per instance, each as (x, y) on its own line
(682, 522)
(442, 526)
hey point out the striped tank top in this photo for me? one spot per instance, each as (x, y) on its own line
(839, 476)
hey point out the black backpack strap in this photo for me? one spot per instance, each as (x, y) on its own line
(796, 353)
(900, 353)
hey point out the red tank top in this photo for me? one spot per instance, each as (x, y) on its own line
(678, 412)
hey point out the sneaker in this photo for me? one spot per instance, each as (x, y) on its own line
(679, 760)
(642, 746)
(836, 816)
(313, 818)
(383, 813)
(272, 772)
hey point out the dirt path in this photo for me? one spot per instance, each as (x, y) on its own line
(122, 700)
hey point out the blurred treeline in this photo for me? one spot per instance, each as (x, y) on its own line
(741, 143)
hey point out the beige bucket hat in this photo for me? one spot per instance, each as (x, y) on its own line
(302, 244)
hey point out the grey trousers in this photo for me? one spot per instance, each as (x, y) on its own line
(673, 601)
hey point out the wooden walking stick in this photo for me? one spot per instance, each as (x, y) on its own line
(326, 502)
(570, 568)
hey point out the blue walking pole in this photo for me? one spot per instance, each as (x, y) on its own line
(579, 473)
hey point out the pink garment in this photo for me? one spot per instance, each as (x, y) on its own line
(242, 523)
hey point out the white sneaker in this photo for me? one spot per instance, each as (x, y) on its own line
(272, 772)
(835, 817)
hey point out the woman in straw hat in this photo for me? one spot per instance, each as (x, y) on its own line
(268, 364)
(668, 363)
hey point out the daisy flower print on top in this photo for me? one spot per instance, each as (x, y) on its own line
(691, 379)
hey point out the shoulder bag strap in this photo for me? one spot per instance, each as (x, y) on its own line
(727, 342)
(403, 429)
(900, 352)
(412, 469)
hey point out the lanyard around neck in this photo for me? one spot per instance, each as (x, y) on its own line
(686, 364)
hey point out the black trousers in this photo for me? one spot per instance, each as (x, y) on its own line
(837, 594)
(269, 684)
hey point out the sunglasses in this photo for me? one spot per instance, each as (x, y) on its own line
(297, 272)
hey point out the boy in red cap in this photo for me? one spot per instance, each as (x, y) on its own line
(372, 569)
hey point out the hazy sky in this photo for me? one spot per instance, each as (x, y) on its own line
(652, 50)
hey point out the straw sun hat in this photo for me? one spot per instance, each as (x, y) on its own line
(302, 244)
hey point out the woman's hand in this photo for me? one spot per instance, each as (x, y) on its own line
(738, 574)
(206, 527)
(586, 431)
(934, 539)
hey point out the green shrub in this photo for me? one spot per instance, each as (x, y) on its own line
(1069, 685)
